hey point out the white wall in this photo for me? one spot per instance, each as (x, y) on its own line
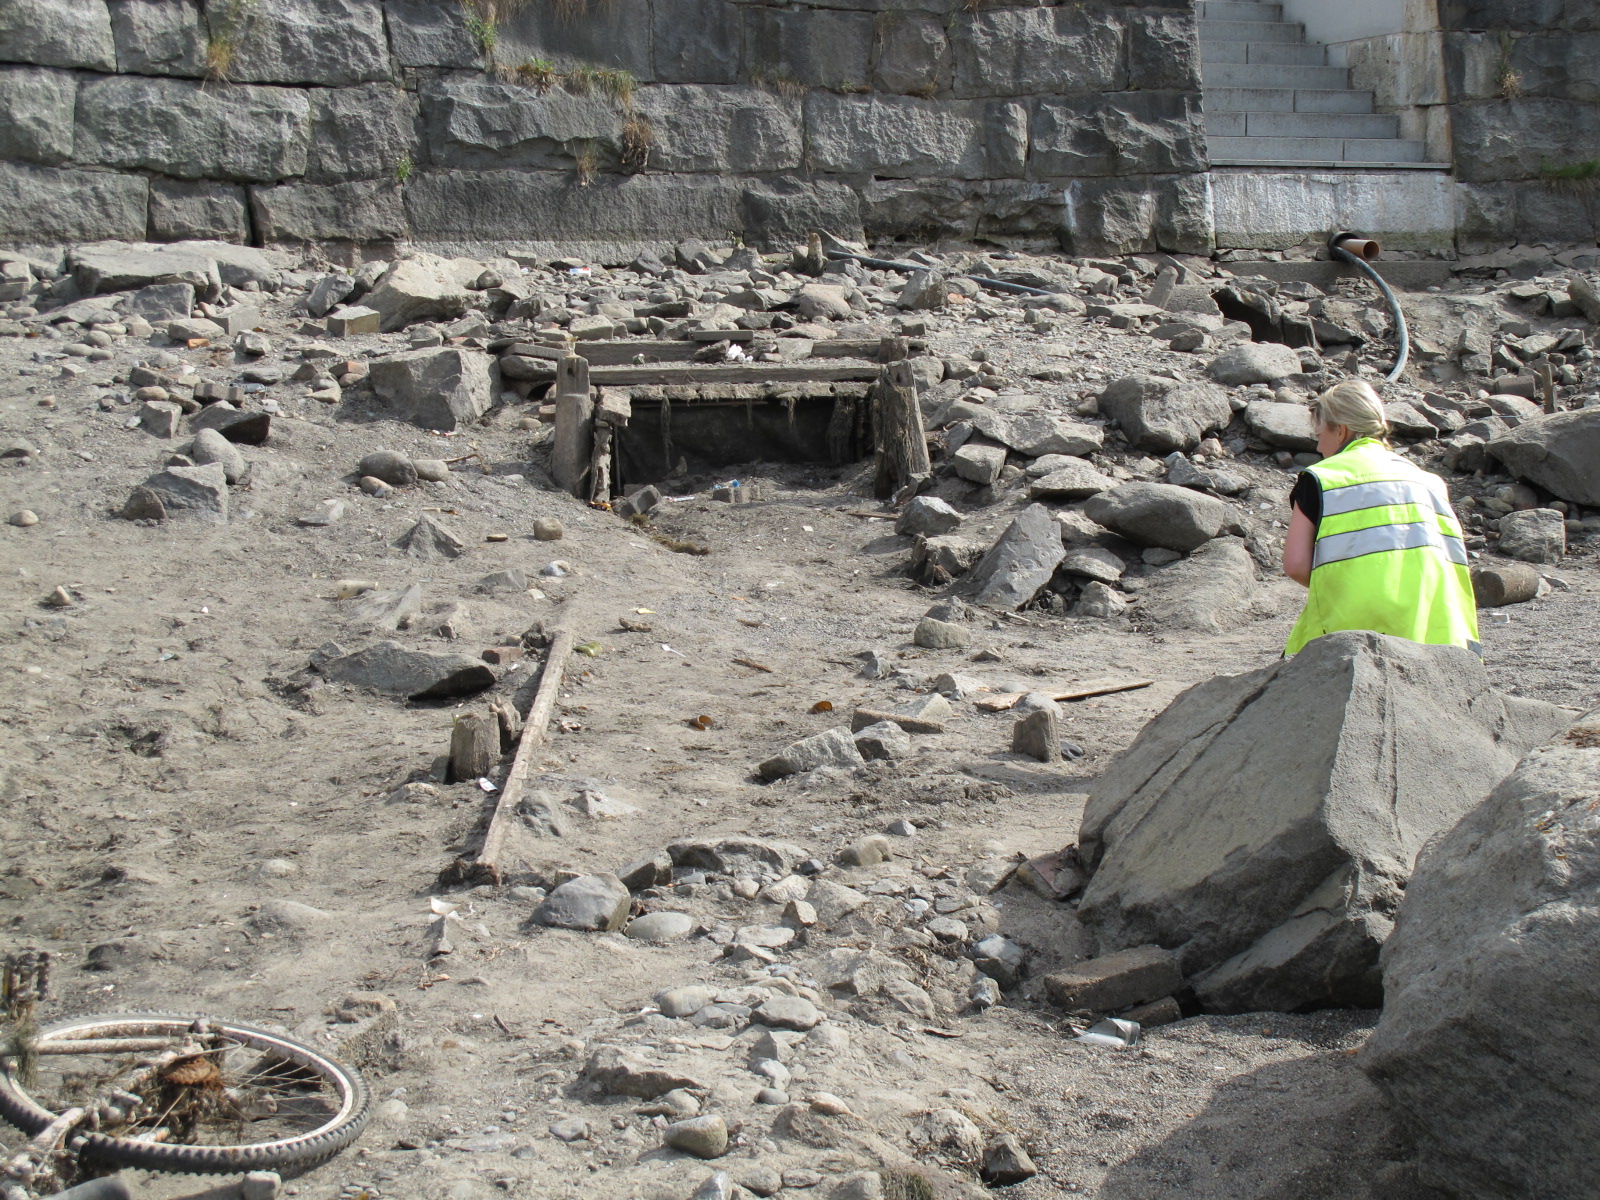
(1349, 20)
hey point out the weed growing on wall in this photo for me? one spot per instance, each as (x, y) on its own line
(588, 163)
(228, 22)
(638, 136)
(1507, 82)
(403, 167)
(1578, 173)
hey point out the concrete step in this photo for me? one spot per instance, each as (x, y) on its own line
(1307, 100)
(1278, 54)
(1226, 148)
(1238, 10)
(1274, 208)
(1263, 75)
(1251, 31)
(1320, 125)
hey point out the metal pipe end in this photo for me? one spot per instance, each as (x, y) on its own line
(1354, 243)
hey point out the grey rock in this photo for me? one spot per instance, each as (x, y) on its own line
(423, 33)
(1485, 1007)
(1287, 426)
(198, 493)
(1036, 434)
(984, 993)
(1006, 1162)
(1159, 514)
(362, 210)
(831, 748)
(1560, 453)
(570, 1129)
(1099, 601)
(908, 997)
(252, 427)
(160, 418)
(330, 42)
(211, 447)
(1211, 591)
(386, 610)
(359, 132)
(423, 288)
(620, 1073)
(183, 209)
(159, 37)
(614, 36)
(761, 1180)
(1119, 133)
(444, 388)
(934, 634)
(512, 581)
(703, 1137)
(925, 289)
(788, 1012)
(716, 1187)
(328, 293)
(913, 54)
(1183, 473)
(812, 46)
(737, 856)
(114, 267)
(660, 927)
(429, 539)
(1020, 562)
(60, 205)
(1074, 482)
(1536, 535)
(1093, 562)
(683, 1001)
(1163, 414)
(59, 33)
(694, 46)
(395, 670)
(927, 516)
(884, 741)
(979, 462)
(1255, 362)
(1279, 898)
(1017, 52)
(473, 124)
(162, 303)
(181, 129)
(1038, 735)
(595, 903)
(1001, 959)
(651, 870)
(902, 136)
(737, 129)
(391, 466)
(36, 114)
(834, 902)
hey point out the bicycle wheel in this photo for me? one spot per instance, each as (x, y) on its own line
(188, 1093)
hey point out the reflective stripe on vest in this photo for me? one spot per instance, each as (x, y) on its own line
(1337, 547)
(1356, 496)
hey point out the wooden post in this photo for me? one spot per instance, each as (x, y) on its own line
(902, 446)
(600, 466)
(570, 457)
(474, 746)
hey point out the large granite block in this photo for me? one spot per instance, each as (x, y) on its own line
(332, 42)
(180, 210)
(58, 33)
(159, 37)
(1136, 214)
(898, 136)
(1023, 213)
(1164, 51)
(817, 48)
(1025, 51)
(739, 129)
(431, 33)
(491, 126)
(360, 132)
(368, 210)
(36, 111)
(1514, 139)
(912, 54)
(58, 204)
(614, 35)
(777, 213)
(190, 131)
(696, 41)
(923, 210)
(1124, 133)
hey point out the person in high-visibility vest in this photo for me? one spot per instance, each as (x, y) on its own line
(1372, 536)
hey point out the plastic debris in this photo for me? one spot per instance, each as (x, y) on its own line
(1111, 1032)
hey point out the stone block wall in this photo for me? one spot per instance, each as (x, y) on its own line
(602, 121)
(1523, 80)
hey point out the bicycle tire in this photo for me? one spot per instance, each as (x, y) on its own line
(300, 1152)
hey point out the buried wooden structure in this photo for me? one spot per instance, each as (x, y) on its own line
(870, 407)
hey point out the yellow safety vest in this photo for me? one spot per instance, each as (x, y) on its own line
(1389, 555)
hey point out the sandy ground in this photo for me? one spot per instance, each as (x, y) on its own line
(165, 776)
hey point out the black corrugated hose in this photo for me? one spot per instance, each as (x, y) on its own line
(1336, 248)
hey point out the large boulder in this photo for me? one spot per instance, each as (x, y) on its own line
(197, 493)
(1021, 561)
(423, 288)
(1286, 426)
(1163, 414)
(1536, 535)
(1255, 362)
(1489, 1043)
(1264, 826)
(1211, 591)
(1559, 452)
(1159, 514)
(397, 670)
(1038, 433)
(441, 388)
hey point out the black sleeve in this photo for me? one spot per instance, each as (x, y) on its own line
(1307, 497)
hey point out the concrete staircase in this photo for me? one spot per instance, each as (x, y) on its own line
(1271, 99)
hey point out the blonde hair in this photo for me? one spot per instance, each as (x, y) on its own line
(1355, 405)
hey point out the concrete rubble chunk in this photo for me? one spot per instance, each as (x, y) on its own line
(445, 388)
(1559, 452)
(423, 288)
(1537, 535)
(1273, 864)
(1286, 426)
(1020, 563)
(198, 493)
(1486, 1039)
(831, 748)
(1038, 735)
(1255, 362)
(979, 462)
(1075, 482)
(1163, 414)
(1112, 982)
(396, 670)
(883, 742)
(594, 903)
(1159, 514)
(927, 516)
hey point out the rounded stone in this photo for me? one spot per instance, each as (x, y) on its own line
(703, 1137)
(23, 518)
(660, 927)
(788, 1012)
(548, 529)
(390, 466)
(432, 470)
(373, 486)
(773, 1096)
(681, 1001)
(151, 394)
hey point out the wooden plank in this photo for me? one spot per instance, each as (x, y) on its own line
(668, 374)
(1081, 691)
(535, 731)
(865, 716)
